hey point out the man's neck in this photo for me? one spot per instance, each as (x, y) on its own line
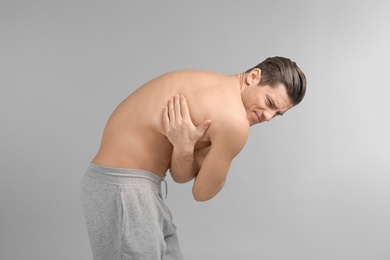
(241, 80)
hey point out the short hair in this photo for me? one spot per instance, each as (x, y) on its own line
(276, 70)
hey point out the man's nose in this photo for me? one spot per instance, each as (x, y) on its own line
(268, 115)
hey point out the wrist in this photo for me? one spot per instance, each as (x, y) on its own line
(186, 153)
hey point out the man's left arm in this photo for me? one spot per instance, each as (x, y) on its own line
(227, 140)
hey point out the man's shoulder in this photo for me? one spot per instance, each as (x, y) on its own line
(229, 136)
(234, 127)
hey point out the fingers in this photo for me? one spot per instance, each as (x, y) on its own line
(178, 124)
(201, 129)
(172, 113)
(178, 111)
(205, 124)
(177, 105)
(166, 118)
(185, 113)
(174, 108)
(171, 110)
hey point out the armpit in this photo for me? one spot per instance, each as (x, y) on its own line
(200, 154)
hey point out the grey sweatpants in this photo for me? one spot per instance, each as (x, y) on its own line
(126, 216)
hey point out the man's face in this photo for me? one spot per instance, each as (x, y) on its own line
(262, 103)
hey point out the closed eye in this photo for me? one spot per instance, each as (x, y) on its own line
(270, 103)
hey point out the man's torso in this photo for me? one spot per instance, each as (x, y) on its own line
(134, 136)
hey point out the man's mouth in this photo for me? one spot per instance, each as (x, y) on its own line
(258, 117)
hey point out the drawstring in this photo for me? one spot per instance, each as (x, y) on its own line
(166, 187)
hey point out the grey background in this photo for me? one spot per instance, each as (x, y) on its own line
(311, 185)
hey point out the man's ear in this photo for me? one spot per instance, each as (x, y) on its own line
(253, 76)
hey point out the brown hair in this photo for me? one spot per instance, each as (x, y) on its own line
(276, 70)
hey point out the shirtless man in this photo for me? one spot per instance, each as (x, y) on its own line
(192, 123)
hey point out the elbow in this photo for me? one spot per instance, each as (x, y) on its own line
(202, 193)
(201, 197)
(180, 180)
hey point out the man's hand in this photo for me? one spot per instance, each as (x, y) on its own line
(180, 130)
(183, 135)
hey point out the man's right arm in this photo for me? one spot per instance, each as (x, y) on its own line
(183, 135)
(183, 166)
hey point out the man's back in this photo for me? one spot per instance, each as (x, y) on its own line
(135, 137)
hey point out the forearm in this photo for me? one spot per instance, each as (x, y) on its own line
(183, 166)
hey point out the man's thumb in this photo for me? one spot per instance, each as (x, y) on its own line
(204, 125)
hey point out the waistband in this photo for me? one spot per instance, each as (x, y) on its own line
(123, 176)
